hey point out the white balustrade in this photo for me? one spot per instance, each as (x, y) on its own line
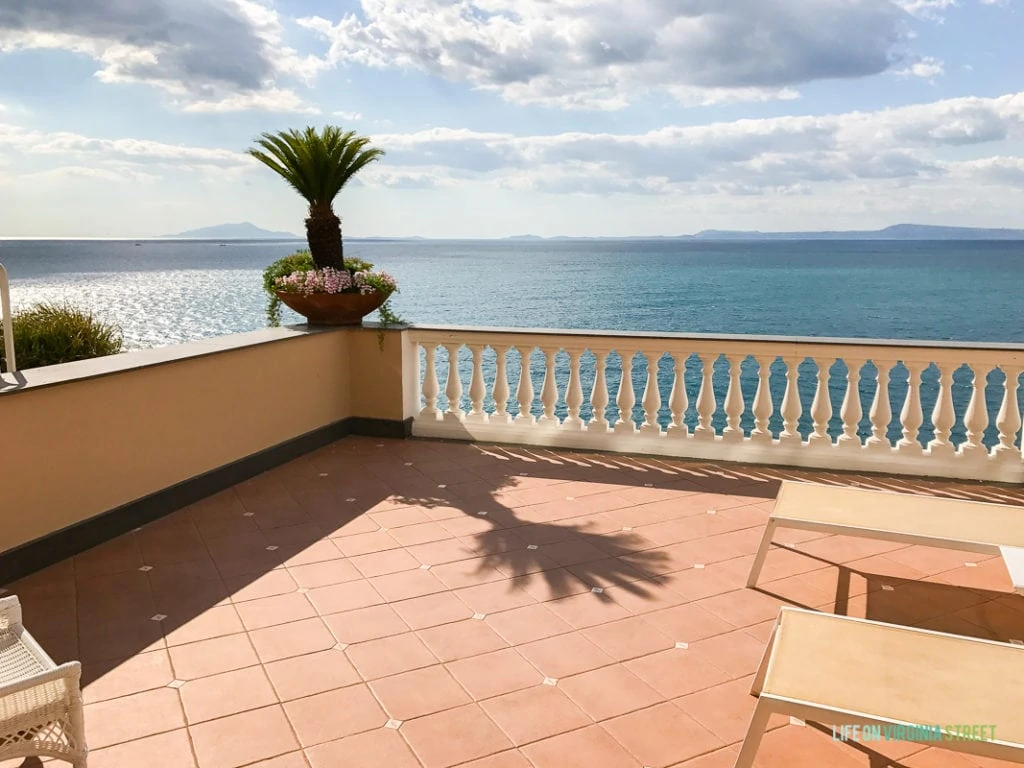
(678, 401)
(821, 408)
(500, 391)
(911, 416)
(851, 412)
(599, 395)
(549, 392)
(574, 393)
(627, 398)
(476, 386)
(943, 415)
(881, 410)
(1008, 421)
(763, 402)
(524, 392)
(791, 406)
(652, 397)
(976, 419)
(453, 387)
(578, 420)
(431, 388)
(706, 399)
(733, 401)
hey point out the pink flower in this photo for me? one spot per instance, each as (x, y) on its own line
(330, 280)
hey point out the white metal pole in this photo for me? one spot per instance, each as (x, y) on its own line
(8, 323)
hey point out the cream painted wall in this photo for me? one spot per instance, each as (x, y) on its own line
(79, 448)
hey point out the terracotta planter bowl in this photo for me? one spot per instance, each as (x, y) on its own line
(332, 308)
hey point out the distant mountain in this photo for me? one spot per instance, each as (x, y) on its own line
(243, 231)
(895, 232)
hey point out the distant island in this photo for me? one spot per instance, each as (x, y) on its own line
(243, 231)
(248, 231)
(895, 232)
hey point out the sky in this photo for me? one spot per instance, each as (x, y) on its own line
(130, 118)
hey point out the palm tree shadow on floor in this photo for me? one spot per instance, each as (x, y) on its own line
(565, 555)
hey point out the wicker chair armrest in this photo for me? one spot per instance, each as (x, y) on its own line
(10, 613)
(70, 673)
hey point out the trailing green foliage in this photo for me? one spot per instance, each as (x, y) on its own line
(300, 261)
(51, 333)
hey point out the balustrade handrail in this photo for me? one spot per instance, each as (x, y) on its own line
(418, 331)
(603, 341)
(7, 320)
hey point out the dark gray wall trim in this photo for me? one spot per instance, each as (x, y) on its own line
(83, 535)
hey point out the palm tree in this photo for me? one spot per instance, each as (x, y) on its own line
(317, 165)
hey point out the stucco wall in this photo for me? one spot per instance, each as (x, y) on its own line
(84, 438)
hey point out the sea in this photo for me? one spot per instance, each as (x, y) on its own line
(169, 291)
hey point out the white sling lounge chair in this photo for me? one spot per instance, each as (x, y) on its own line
(40, 702)
(837, 670)
(970, 526)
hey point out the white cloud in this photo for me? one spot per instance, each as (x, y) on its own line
(270, 100)
(228, 53)
(118, 174)
(348, 115)
(926, 67)
(996, 170)
(926, 8)
(782, 153)
(136, 150)
(605, 53)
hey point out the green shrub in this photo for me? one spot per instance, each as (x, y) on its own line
(51, 333)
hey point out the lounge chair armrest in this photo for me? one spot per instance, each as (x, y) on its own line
(70, 673)
(10, 613)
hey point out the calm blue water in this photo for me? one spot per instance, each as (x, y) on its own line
(163, 292)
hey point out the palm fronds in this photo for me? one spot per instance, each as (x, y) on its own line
(316, 164)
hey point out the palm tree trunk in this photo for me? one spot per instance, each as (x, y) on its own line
(323, 232)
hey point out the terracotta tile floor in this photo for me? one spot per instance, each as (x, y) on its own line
(425, 604)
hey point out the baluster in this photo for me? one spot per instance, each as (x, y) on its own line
(652, 396)
(911, 416)
(678, 402)
(1008, 420)
(500, 391)
(599, 395)
(453, 387)
(574, 392)
(976, 417)
(943, 415)
(430, 386)
(851, 411)
(706, 399)
(549, 391)
(791, 405)
(881, 410)
(524, 392)
(733, 401)
(763, 401)
(626, 399)
(477, 390)
(821, 407)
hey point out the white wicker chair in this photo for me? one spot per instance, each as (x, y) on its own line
(40, 702)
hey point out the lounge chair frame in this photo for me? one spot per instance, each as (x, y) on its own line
(790, 512)
(769, 704)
